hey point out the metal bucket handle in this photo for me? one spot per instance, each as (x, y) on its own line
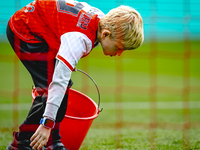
(95, 85)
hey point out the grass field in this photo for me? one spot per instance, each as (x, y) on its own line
(151, 97)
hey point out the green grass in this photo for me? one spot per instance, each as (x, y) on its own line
(128, 111)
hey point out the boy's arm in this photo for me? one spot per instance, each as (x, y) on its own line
(57, 89)
(73, 46)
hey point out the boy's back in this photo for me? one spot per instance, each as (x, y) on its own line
(49, 20)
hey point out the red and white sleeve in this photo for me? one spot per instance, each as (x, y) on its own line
(73, 46)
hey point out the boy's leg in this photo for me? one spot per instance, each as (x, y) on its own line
(35, 58)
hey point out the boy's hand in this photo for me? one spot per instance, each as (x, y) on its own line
(40, 137)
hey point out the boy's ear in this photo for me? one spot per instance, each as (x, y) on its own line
(105, 33)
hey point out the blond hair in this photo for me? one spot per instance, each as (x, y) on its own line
(126, 26)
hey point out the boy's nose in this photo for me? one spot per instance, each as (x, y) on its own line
(119, 52)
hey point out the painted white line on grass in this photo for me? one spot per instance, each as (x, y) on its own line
(147, 105)
(20, 106)
(118, 105)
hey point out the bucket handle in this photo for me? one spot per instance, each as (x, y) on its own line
(95, 85)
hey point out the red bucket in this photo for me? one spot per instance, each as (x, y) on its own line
(81, 111)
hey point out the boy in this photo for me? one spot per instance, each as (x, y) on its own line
(49, 37)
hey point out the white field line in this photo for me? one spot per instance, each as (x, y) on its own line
(119, 105)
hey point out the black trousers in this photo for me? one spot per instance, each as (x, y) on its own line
(39, 60)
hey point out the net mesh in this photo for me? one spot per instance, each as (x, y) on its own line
(154, 87)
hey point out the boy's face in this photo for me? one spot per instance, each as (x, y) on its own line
(111, 47)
